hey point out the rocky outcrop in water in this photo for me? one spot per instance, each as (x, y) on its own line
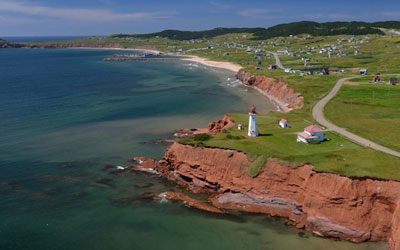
(274, 88)
(354, 209)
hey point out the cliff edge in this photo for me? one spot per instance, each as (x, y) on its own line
(276, 90)
(354, 209)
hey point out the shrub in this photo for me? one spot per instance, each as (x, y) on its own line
(257, 166)
(202, 137)
(229, 154)
(234, 137)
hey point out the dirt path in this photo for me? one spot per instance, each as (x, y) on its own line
(319, 117)
(278, 61)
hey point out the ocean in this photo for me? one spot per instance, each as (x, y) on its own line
(20, 39)
(67, 117)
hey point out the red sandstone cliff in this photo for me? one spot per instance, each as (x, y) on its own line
(274, 88)
(327, 204)
(213, 128)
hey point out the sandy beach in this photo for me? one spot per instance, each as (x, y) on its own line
(223, 65)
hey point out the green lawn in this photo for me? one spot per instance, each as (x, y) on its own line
(369, 110)
(337, 155)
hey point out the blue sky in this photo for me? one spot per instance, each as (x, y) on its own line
(104, 17)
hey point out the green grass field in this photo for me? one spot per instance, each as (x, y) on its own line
(369, 110)
(337, 155)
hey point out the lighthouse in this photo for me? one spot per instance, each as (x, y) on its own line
(253, 130)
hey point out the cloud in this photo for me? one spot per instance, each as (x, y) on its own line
(17, 20)
(256, 13)
(220, 5)
(391, 13)
(92, 15)
(329, 16)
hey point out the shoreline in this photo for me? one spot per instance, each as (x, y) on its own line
(215, 64)
(280, 106)
(234, 68)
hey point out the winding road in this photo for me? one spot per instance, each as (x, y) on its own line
(278, 61)
(318, 115)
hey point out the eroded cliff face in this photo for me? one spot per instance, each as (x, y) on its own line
(394, 241)
(327, 204)
(214, 128)
(274, 88)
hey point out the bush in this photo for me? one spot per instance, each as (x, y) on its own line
(234, 137)
(202, 137)
(257, 166)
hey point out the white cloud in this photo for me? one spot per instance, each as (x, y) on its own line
(220, 5)
(329, 16)
(391, 13)
(256, 13)
(96, 15)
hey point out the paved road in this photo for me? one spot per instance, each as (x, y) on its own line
(319, 117)
(278, 61)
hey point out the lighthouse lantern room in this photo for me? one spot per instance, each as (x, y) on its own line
(253, 130)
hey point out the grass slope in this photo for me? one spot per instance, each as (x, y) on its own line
(337, 155)
(369, 110)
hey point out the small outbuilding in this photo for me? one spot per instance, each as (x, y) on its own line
(393, 81)
(283, 123)
(240, 127)
(273, 66)
(363, 71)
(310, 134)
(333, 69)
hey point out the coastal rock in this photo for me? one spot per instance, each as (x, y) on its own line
(354, 209)
(394, 241)
(213, 128)
(274, 88)
(189, 201)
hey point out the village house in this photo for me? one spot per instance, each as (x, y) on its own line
(363, 71)
(287, 70)
(377, 79)
(324, 71)
(273, 66)
(310, 134)
(333, 69)
(283, 123)
(393, 81)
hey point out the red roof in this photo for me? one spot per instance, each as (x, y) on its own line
(306, 136)
(313, 128)
(282, 121)
(253, 110)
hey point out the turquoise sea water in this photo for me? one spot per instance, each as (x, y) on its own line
(66, 115)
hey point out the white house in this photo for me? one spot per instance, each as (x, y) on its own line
(310, 134)
(363, 71)
(284, 123)
(287, 70)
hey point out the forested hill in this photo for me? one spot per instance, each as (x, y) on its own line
(188, 35)
(296, 28)
(325, 29)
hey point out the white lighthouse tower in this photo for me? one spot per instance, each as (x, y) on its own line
(253, 130)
